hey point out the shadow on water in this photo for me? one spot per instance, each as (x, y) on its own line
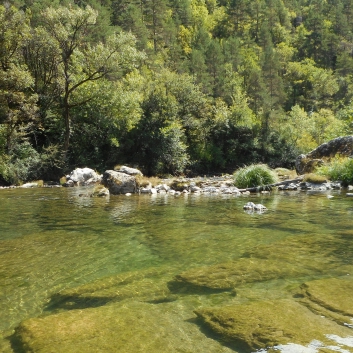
(71, 302)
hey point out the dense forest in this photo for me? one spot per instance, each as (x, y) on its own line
(170, 86)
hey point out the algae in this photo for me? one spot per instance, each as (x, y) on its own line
(147, 285)
(331, 297)
(264, 324)
(295, 256)
(130, 328)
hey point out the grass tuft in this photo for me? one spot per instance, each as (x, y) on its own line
(338, 169)
(315, 178)
(254, 175)
(143, 181)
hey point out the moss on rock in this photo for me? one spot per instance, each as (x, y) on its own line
(130, 328)
(146, 285)
(290, 258)
(260, 325)
(331, 297)
(234, 273)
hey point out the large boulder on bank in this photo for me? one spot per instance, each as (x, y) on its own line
(270, 325)
(342, 145)
(119, 183)
(83, 176)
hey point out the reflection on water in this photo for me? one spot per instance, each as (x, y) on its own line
(55, 239)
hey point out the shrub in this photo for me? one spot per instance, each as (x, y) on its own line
(254, 175)
(338, 169)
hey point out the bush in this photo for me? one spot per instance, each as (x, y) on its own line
(338, 169)
(254, 175)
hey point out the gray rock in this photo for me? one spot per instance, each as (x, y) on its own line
(119, 183)
(83, 176)
(249, 206)
(342, 145)
(29, 185)
(69, 183)
(195, 188)
(129, 171)
(163, 187)
(259, 207)
(103, 192)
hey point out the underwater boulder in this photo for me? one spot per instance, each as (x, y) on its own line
(331, 297)
(131, 327)
(272, 325)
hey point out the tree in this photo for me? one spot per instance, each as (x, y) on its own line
(82, 63)
(17, 101)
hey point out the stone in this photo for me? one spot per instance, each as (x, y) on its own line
(119, 183)
(342, 145)
(130, 327)
(292, 257)
(249, 206)
(263, 325)
(163, 187)
(100, 191)
(83, 176)
(130, 171)
(69, 183)
(149, 285)
(331, 297)
(29, 185)
(260, 207)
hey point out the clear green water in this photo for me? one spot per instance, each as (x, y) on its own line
(54, 239)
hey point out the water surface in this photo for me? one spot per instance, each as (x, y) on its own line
(55, 239)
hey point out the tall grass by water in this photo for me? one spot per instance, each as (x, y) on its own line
(338, 169)
(255, 175)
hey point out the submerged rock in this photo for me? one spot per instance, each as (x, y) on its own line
(129, 328)
(290, 258)
(149, 285)
(331, 297)
(226, 276)
(262, 325)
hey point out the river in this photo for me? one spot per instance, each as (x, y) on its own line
(54, 239)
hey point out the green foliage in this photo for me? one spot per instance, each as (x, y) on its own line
(254, 175)
(338, 169)
(221, 84)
